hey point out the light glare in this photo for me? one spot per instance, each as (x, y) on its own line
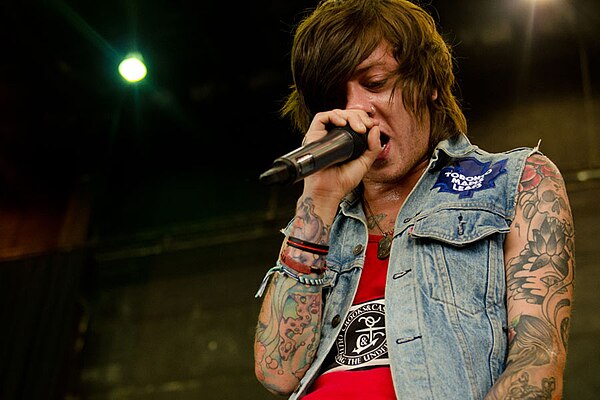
(132, 69)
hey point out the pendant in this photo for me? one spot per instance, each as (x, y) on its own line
(383, 247)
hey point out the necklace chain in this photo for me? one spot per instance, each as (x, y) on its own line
(384, 245)
(375, 219)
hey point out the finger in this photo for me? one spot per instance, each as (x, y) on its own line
(362, 164)
(374, 141)
(358, 120)
(318, 126)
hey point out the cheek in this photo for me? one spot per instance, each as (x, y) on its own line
(417, 136)
(412, 136)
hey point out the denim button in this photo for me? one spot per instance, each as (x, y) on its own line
(358, 249)
(336, 320)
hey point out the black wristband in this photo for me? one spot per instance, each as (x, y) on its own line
(310, 247)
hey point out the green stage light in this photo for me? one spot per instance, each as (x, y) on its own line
(132, 68)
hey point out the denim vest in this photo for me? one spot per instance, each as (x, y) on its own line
(446, 318)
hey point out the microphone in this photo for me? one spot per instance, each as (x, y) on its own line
(340, 144)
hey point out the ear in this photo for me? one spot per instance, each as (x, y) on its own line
(434, 95)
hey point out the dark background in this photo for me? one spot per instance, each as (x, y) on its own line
(133, 229)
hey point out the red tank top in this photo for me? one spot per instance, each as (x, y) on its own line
(358, 366)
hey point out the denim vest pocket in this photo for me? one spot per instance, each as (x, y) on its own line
(461, 253)
(460, 226)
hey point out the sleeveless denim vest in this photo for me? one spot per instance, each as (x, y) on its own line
(445, 290)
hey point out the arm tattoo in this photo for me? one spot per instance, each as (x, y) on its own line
(521, 389)
(289, 324)
(544, 272)
(288, 331)
(530, 342)
(309, 226)
(539, 282)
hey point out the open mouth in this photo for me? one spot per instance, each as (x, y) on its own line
(384, 139)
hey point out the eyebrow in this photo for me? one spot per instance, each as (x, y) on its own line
(361, 69)
(378, 62)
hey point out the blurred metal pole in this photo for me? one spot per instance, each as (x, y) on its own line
(573, 15)
(588, 102)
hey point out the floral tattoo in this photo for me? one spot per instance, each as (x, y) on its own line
(539, 280)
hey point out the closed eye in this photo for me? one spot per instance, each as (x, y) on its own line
(375, 85)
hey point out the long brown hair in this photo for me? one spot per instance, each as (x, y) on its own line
(339, 34)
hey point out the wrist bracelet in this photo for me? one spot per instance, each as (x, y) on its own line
(305, 279)
(285, 270)
(310, 247)
(298, 266)
(295, 265)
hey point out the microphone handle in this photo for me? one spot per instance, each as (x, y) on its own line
(338, 145)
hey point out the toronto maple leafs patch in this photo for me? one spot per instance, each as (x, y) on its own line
(468, 175)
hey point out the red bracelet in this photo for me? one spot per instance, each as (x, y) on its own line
(298, 266)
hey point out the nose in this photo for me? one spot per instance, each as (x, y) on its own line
(357, 98)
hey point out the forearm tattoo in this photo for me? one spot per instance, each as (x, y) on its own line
(289, 325)
(540, 280)
(308, 226)
(288, 330)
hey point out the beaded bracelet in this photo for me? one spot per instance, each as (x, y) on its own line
(310, 247)
(285, 270)
(305, 279)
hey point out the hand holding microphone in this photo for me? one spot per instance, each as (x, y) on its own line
(339, 145)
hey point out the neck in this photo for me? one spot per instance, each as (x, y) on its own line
(378, 194)
(385, 199)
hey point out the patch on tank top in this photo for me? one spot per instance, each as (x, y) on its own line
(362, 342)
(468, 175)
